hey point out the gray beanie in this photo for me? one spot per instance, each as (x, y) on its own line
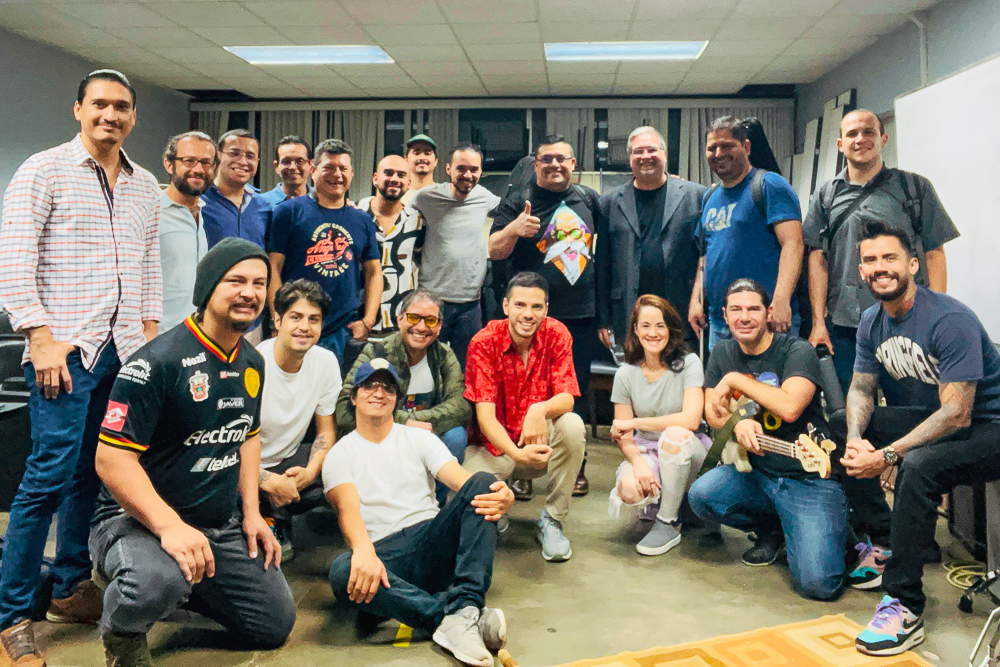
(216, 263)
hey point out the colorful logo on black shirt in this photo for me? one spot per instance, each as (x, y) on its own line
(566, 243)
(114, 418)
(199, 386)
(251, 380)
(331, 252)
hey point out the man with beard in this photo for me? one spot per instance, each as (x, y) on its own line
(421, 154)
(293, 165)
(400, 233)
(930, 353)
(556, 229)
(190, 159)
(455, 249)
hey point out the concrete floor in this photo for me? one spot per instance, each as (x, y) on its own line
(606, 599)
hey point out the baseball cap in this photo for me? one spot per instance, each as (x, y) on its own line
(367, 369)
(417, 138)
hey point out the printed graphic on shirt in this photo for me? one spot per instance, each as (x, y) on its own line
(566, 243)
(331, 252)
(419, 402)
(199, 386)
(137, 370)
(234, 402)
(719, 218)
(251, 380)
(187, 362)
(769, 420)
(902, 358)
(114, 418)
(234, 432)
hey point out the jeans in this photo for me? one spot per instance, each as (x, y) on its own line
(147, 585)
(461, 321)
(719, 330)
(310, 497)
(60, 478)
(335, 342)
(436, 567)
(812, 513)
(455, 439)
(845, 348)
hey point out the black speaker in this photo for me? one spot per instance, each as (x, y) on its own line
(967, 518)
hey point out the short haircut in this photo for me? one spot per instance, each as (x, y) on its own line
(421, 294)
(291, 292)
(104, 75)
(331, 147)
(239, 133)
(550, 139)
(289, 140)
(467, 146)
(170, 152)
(646, 129)
(730, 124)
(747, 285)
(872, 229)
(881, 127)
(528, 279)
(672, 356)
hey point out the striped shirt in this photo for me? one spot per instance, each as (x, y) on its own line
(78, 257)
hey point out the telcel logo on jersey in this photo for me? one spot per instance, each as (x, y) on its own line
(187, 362)
(208, 464)
(234, 431)
(137, 371)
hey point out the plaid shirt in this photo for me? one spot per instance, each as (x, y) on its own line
(494, 373)
(68, 263)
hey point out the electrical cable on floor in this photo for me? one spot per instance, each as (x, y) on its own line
(963, 573)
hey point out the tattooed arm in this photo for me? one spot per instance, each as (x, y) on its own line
(325, 438)
(955, 413)
(860, 404)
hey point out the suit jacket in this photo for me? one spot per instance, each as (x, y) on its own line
(619, 284)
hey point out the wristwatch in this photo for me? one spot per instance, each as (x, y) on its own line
(890, 455)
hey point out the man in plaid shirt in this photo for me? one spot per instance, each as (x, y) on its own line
(80, 277)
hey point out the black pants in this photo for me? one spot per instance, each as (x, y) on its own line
(461, 321)
(309, 497)
(436, 567)
(587, 348)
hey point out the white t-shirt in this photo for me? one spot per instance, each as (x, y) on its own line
(421, 388)
(291, 399)
(394, 478)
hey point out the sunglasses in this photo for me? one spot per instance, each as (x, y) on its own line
(372, 385)
(430, 320)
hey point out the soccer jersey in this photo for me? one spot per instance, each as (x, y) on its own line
(186, 407)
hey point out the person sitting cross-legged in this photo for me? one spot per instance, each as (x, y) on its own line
(777, 499)
(425, 566)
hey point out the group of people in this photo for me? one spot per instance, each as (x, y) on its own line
(176, 440)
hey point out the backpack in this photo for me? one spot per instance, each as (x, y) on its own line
(756, 194)
(913, 191)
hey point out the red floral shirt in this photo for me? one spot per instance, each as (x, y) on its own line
(494, 373)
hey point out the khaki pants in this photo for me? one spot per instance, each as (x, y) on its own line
(566, 437)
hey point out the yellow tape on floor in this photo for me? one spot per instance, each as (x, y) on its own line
(403, 636)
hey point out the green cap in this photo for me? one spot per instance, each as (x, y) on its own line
(417, 138)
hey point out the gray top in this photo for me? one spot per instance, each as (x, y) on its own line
(663, 396)
(182, 245)
(847, 296)
(455, 251)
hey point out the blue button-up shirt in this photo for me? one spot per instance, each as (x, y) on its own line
(276, 195)
(221, 218)
(182, 245)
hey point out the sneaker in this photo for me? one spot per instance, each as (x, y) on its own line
(893, 630)
(503, 523)
(18, 647)
(555, 547)
(493, 628)
(867, 574)
(521, 488)
(460, 635)
(85, 605)
(765, 549)
(660, 539)
(127, 649)
(283, 533)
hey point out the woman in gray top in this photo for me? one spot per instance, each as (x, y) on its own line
(658, 405)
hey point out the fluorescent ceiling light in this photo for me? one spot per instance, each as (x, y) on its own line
(311, 55)
(624, 50)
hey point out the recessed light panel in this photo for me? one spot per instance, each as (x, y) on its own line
(624, 50)
(311, 55)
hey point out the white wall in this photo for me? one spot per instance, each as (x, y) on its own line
(37, 89)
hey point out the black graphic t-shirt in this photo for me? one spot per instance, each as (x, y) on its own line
(786, 357)
(187, 408)
(563, 251)
(328, 246)
(940, 340)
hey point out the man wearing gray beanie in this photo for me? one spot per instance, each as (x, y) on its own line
(178, 519)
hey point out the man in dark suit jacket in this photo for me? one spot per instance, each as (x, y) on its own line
(651, 233)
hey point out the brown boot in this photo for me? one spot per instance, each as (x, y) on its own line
(85, 605)
(17, 647)
(581, 487)
(521, 488)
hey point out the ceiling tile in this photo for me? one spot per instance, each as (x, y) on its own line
(695, 88)
(567, 90)
(873, 24)
(381, 81)
(399, 90)
(189, 82)
(780, 76)
(554, 11)
(654, 68)
(784, 8)
(275, 90)
(498, 33)
(786, 63)
(504, 52)
(437, 68)
(296, 74)
(177, 38)
(484, 14)
(596, 67)
(201, 14)
(352, 71)
(724, 66)
(383, 12)
(747, 28)
(665, 88)
(500, 89)
(855, 7)
(665, 80)
(658, 10)
(80, 38)
(475, 90)
(209, 54)
(681, 29)
(511, 67)
(116, 16)
(237, 70)
(301, 13)
(243, 36)
(829, 45)
(736, 49)
(605, 31)
(338, 34)
(445, 52)
(407, 35)
(19, 17)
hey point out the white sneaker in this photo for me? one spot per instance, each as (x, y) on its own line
(460, 635)
(493, 628)
(555, 546)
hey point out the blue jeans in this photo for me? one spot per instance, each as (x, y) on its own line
(436, 567)
(812, 513)
(719, 330)
(461, 321)
(455, 439)
(335, 342)
(60, 477)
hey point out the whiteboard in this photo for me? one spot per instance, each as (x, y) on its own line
(949, 133)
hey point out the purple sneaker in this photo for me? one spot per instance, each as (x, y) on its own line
(893, 630)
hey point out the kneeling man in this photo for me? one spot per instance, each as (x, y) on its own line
(426, 567)
(781, 503)
(178, 519)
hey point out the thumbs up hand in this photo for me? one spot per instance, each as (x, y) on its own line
(526, 225)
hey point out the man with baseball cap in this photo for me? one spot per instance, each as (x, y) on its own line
(409, 560)
(421, 153)
(178, 519)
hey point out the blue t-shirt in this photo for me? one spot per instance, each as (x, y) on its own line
(328, 246)
(740, 243)
(223, 219)
(940, 340)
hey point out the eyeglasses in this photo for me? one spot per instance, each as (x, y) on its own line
(549, 159)
(372, 385)
(431, 320)
(297, 161)
(235, 154)
(190, 162)
(571, 234)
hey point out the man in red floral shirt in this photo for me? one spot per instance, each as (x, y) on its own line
(519, 374)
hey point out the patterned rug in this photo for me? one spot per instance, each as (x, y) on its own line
(823, 642)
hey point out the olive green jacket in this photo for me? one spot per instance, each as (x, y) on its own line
(450, 409)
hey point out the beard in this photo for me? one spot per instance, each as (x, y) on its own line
(902, 284)
(181, 183)
(391, 197)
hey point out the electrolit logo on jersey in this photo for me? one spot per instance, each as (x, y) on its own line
(137, 370)
(904, 358)
(234, 431)
(208, 464)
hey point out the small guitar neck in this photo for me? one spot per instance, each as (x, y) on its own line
(775, 446)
